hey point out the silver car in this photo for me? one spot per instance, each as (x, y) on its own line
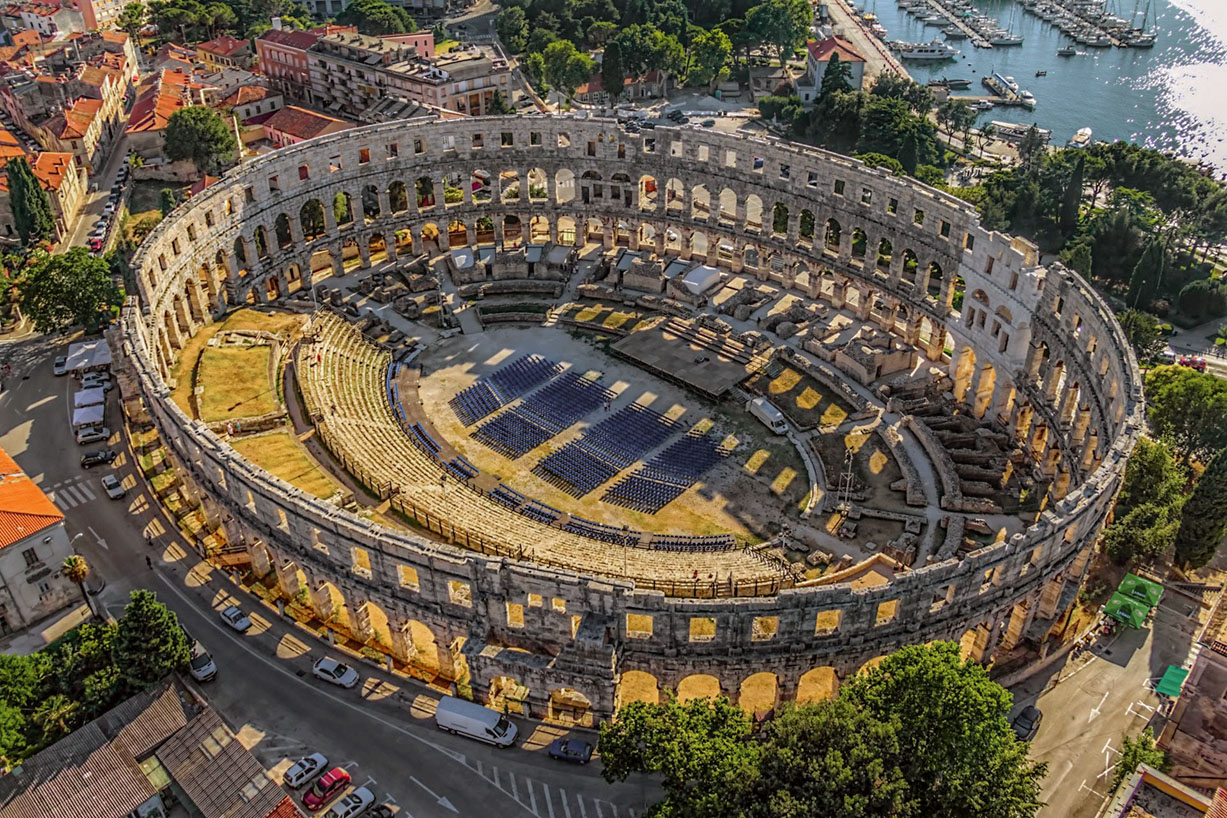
(304, 769)
(233, 616)
(114, 489)
(354, 804)
(334, 672)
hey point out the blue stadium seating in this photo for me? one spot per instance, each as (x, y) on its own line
(666, 476)
(542, 415)
(606, 449)
(501, 387)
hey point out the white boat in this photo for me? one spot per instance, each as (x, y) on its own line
(934, 51)
(982, 105)
(1080, 140)
(954, 33)
(1006, 39)
(1027, 99)
(1067, 51)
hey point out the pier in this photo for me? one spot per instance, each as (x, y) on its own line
(878, 59)
(1078, 22)
(973, 36)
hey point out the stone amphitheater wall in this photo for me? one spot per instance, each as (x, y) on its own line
(1034, 350)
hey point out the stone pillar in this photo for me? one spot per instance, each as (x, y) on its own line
(441, 198)
(322, 603)
(1050, 597)
(364, 254)
(1016, 625)
(389, 243)
(287, 579)
(330, 219)
(361, 622)
(173, 334)
(385, 203)
(260, 562)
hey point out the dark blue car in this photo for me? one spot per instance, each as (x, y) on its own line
(571, 749)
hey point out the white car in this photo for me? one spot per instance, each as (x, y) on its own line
(94, 379)
(60, 367)
(234, 617)
(304, 769)
(92, 434)
(202, 666)
(354, 804)
(114, 489)
(330, 670)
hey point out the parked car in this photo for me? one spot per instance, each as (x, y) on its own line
(202, 666)
(113, 487)
(304, 769)
(571, 749)
(353, 805)
(233, 616)
(326, 787)
(1195, 362)
(465, 718)
(98, 458)
(92, 380)
(334, 672)
(95, 245)
(708, 123)
(1027, 723)
(60, 367)
(92, 434)
(382, 811)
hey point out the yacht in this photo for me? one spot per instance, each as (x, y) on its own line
(1027, 99)
(954, 33)
(878, 31)
(1080, 140)
(1067, 51)
(936, 50)
(1006, 39)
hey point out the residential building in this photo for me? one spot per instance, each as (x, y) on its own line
(219, 84)
(162, 752)
(1195, 735)
(158, 97)
(50, 19)
(100, 14)
(648, 86)
(225, 52)
(175, 57)
(350, 72)
(251, 104)
(1152, 794)
(77, 129)
(33, 547)
(292, 125)
(281, 56)
(818, 57)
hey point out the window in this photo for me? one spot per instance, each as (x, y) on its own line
(892, 206)
(507, 139)
(811, 179)
(274, 185)
(360, 562)
(534, 138)
(828, 622)
(304, 172)
(393, 150)
(702, 629)
(535, 601)
(591, 148)
(249, 195)
(407, 576)
(191, 232)
(764, 628)
(785, 171)
(638, 626)
(887, 611)
(558, 605)
(44, 590)
(515, 615)
(209, 218)
(969, 242)
(364, 156)
(730, 159)
(419, 146)
(918, 217)
(944, 229)
(459, 593)
(839, 187)
(866, 196)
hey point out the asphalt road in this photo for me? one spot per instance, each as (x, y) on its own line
(91, 208)
(382, 730)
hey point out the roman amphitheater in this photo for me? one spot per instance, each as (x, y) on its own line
(524, 350)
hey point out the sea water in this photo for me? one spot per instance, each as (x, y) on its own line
(1172, 96)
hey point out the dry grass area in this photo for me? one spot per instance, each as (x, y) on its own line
(235, 383)
(183, 372)
(600, 314)
(807, 402)
(762, 484)
(281, 455)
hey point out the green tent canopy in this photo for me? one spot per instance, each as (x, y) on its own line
(1172, 681)
(1125, 609)
(1141, 589)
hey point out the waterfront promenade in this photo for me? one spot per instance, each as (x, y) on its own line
(878, 59)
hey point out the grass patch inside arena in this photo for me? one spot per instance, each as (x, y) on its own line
(236, 383)
(807, 402)
(280, 454)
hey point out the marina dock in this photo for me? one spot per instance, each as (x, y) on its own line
(955, 20)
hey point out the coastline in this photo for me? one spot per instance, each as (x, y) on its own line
(878, 59)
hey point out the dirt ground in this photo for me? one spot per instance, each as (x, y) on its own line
(803, 399)
(761, 485)
(872, 465)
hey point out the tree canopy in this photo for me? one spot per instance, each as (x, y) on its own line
(148, 641)
(1189, 409)
(924, 733)
(565, 66)
(1203, 519)
(68, 288)
(377, 18)
(31, 207)
(201, 135)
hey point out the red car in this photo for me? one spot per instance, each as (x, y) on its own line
(326, 787)
(1194, 362)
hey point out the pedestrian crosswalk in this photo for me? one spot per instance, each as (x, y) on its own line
(72, 493)
(548, 801)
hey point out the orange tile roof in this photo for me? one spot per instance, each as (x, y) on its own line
(285, 809)
(50, 167)
(225, 46)
(822, 50)
(26, 37)
(114, 36)
(24, 509)
(245, 94)
(159, 97)
(301, 123)
(77, 118)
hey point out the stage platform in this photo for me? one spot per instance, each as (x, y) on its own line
(691, 356)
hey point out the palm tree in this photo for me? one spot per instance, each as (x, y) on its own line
(77, 569)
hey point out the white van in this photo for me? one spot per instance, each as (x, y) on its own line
(771, 417)
(462, 718)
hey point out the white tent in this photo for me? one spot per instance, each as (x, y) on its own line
(701, 279)
(89, 355)
(89, 397)
(463, 258)
(87, 416)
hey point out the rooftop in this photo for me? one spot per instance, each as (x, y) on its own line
(50, 168)
(224, 46)
(301, 123)
(821, 50)
(24, 509)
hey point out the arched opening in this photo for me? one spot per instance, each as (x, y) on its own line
(377, 248)
(673, 240)
(622, 233)
(421, 646)
(647, 235)
(453, 189)
(648, 194)
(398, 197)
(637, 686)
(728, 207)
(564, 186)
(342, 209)
(754, 213)
(675, 196)
(758, 693)
(884, 254)
(973, 644)
(321, 264)
(698, 686)
(513, 231)
(507, 695)
(700, 202)
(424, 189)
(860, 243)
(749, 257)
(910, 266)
(620, 189)
(935, 280)
(964, 368)
(569, 707)
(430, 237)
(293, 278)
(779, 219)
(509, 186)
(833, 235)
(871, 664)
(485, 230)
(538, 188)
(805, 226)
(281, 227)
(351, 256)
(240, 255)
(261, 242)
(538, 230)
(566, 230)
(272, 288)
(594, 230)
(311, 219)
(457, 233)
(698, 245)
(370, 204)
(591, 190)
(404, 242)
(817, 684)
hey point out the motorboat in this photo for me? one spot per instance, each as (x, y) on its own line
(1041, 73)
(1027, 99)
(1080, 140)
(1006, 39)
(954, 33)
(931, 52)
(982, 105)
(1067, 51)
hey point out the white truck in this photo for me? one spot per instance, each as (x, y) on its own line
(463, 718)
(771, 417)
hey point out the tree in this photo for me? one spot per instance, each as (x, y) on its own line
(201, 135)
(1135, 751)
(891, 86)
(1030, 147)
(1078, 258)
(600, 33)
(959, 754)
(76, 569)
(613, 74)
(512, 27)
(1143, 333)
(1147, 510)
(1147, 274)
(32, 214)
(498, 105)
(709, 54)
(167, 201)
(836, 78)
(1203, 520)
(1188, 409)
(534, 67)
(52, 717)
(132, 19)
(1072, 199)
(888, 127)
(149, 642)
(827, 759)
(699, 748)
(566, 67)
(377, 18)
(74, 287)
(780, 25)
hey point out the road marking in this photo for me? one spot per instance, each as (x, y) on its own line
(99, 539)
(84, 487)
(443, 802)
(566, 808)
(1095, 710)
(349, 765)
(549, 802)
(515, 791)
(532, 798)
(596, 802)
(368, 782)
(582, 811)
